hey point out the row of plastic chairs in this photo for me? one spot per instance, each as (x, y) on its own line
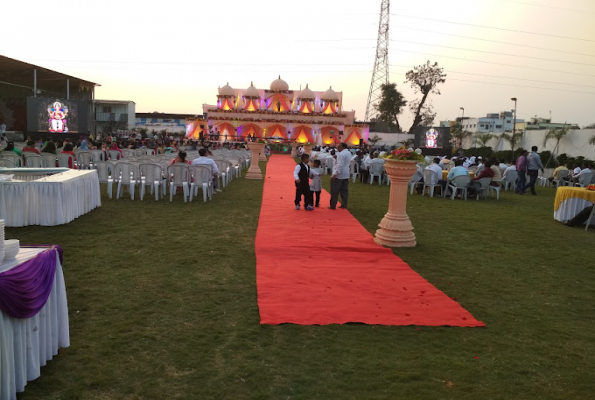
(188, 177)
(458, 184)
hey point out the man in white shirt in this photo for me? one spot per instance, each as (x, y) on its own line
(211, 164)
(436, 177)
(340, 178)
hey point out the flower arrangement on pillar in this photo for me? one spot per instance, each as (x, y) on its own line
(396, 229)
(254, 171)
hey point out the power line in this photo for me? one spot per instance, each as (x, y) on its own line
(523, 86)
(505, 77)
(497, 41)
(495, 28)
(547, 6)
(494, 52)
(495, 63)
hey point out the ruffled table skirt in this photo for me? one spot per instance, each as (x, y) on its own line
(27, 344)
(48, 201)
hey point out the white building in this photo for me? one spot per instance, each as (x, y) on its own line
(114, 115)
(157, 121)
(491, 123)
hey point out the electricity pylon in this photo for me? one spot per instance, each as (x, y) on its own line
(380, 73)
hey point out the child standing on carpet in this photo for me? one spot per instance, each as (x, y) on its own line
(316, 184)
(301, 175)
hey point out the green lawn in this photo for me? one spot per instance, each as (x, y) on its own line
(162, 302)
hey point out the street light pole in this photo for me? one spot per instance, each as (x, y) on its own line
(514, 116)
(463, 117)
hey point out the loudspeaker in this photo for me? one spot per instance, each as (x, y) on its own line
(361, 142)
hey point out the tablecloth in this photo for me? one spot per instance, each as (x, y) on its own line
(54, 200)
(27, 344)
(445, 174)
(570, 201)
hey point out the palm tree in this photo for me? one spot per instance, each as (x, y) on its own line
(512, 139)
(483, 138)
(556, 134)
(407, 143)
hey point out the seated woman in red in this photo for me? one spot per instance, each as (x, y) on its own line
(68, 150)
(181, 158)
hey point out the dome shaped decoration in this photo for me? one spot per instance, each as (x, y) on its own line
(330, 95)
(307, 94)
(226, 91)
(251, 91)
(279, 85)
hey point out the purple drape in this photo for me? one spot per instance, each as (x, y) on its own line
(25, 288)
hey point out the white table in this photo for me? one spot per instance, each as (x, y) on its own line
(53, 200)
(27, 344)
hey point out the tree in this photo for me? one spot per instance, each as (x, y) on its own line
(590, 126)
(424, 79)
(592, 140)
(407, 143)
(458, 135)
(556, 134)
(373, 140)
(512, 139)
(483, 138)
(390, 106)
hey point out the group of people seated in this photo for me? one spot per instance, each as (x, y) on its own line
(571, 177)
(492, 169)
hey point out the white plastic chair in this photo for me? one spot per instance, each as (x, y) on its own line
(114, 155)
(376, 169)
(561, 181)
(416, 180)
(590, 218)
(7, 163)
(510, 180)
(15, 158)
(201, 177)
(354, 170)
(458, 183)
(50, 160)
(496, 189)
(84, 159)
(484, 182)
(97, 156)
(149, 152)
(179, 176)
(329, 163)
(127, 153)
(223, 172)
(428, 174)
(126, 174)
(65, 160)
(33, 160)
(152, 176)
(105, 172)
(584, 180)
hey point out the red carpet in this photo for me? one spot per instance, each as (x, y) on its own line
(322, 267)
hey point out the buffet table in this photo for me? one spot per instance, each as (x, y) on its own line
(570, 201)
(52, 200)
(33, 316)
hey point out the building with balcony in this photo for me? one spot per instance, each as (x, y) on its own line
(279, 113)
(112, 116)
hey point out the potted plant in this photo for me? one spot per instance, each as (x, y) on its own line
(396, 229)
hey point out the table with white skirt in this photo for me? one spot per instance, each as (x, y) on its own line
(26, 344)
(52, 200)
(570, 201)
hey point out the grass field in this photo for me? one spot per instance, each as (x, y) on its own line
(162, 303)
